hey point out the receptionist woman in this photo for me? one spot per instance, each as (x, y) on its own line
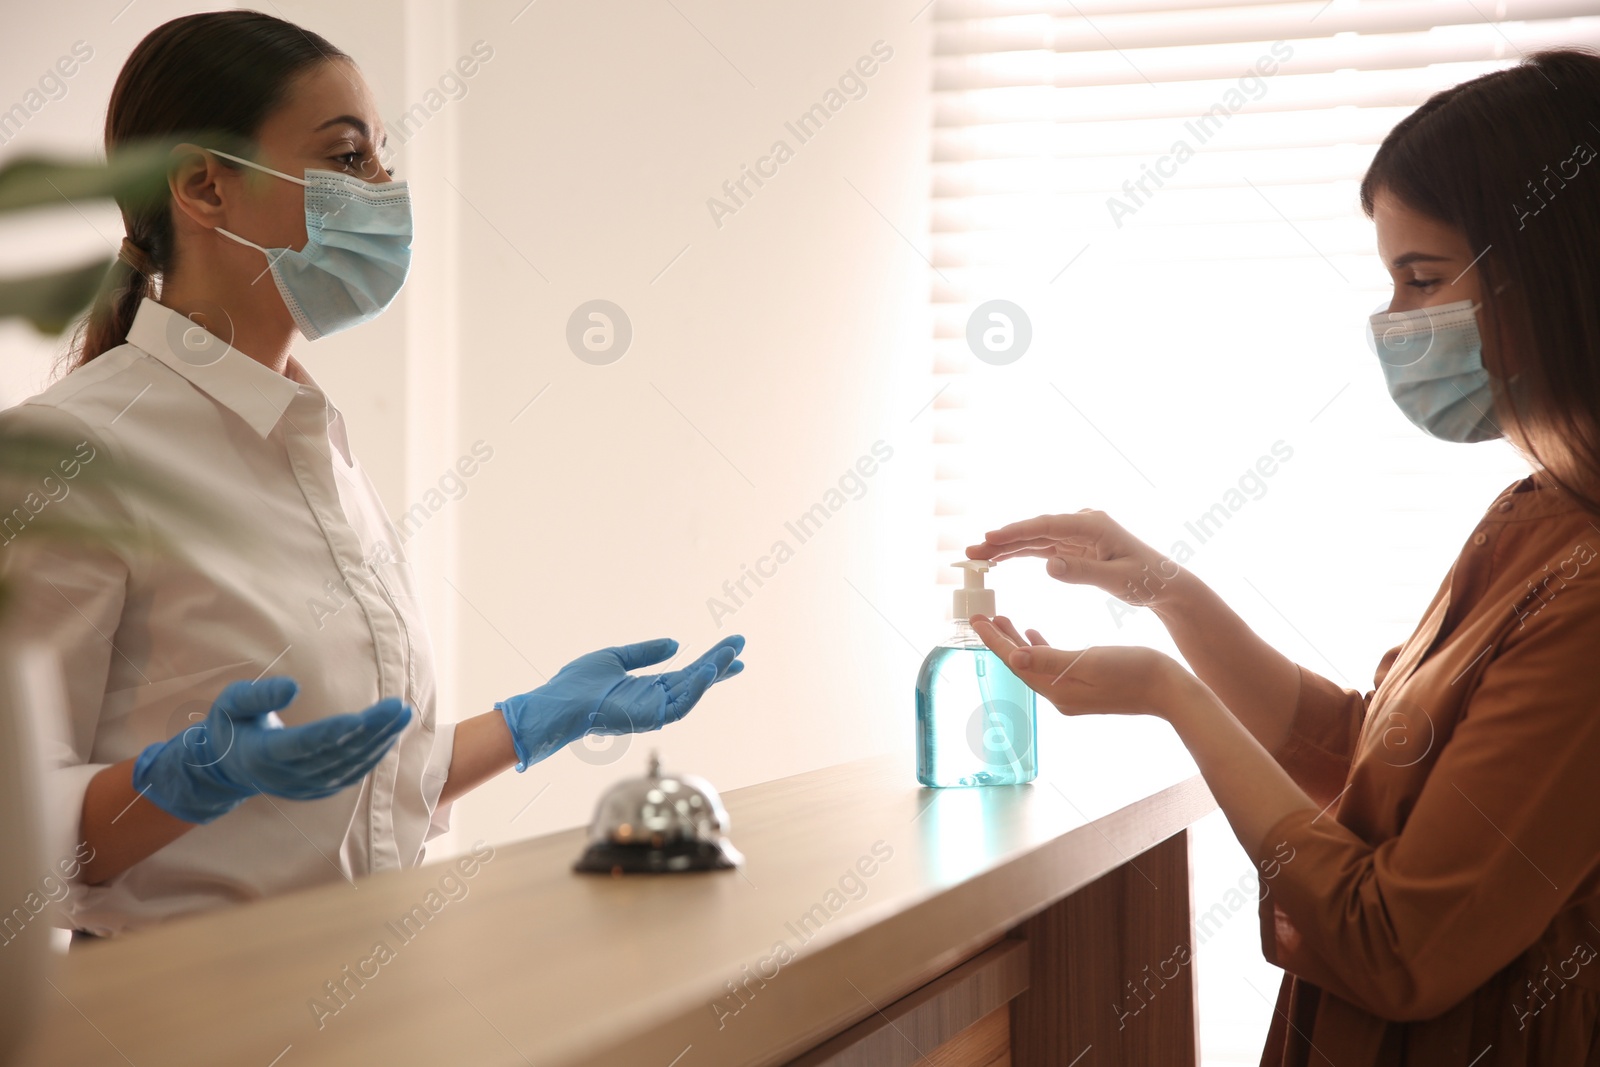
(216, 749)
(1442, 902)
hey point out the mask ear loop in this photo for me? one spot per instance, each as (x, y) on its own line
(271, 260)
(258, 166)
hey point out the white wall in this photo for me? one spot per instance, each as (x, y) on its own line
(775, 350)
(770, 355)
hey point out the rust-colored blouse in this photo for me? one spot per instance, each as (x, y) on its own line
(1445, 907)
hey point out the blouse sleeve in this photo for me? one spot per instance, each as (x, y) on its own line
(434, 777)
(1505, 829)
(1322, 737)
(66, 591)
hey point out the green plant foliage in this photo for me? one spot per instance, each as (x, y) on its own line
(137, 173)
(134, 173)
(52, 301)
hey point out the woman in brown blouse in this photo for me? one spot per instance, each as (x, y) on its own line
(1440, 903)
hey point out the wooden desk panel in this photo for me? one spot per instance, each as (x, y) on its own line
(536, 964)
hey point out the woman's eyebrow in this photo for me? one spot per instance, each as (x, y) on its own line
(346, 120)
(350, 120)
(1418, 257)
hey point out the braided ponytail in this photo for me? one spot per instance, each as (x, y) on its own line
(130, 279)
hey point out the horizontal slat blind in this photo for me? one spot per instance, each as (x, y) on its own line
(1043, 110)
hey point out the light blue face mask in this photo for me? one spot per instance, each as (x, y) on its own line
(357, 252)
(1432, 359)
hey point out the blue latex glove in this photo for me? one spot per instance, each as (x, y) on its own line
(241, 749)
(595, 694)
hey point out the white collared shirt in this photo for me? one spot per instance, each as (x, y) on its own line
(308, 581)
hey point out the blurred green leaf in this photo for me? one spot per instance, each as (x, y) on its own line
(35, 484)
(52, 301)
(38, 477)
(134, 173)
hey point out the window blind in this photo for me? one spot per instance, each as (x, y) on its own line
(1112, 164)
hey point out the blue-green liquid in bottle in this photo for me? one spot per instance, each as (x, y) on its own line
(976, 720)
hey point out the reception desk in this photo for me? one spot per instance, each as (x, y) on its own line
(873, 923)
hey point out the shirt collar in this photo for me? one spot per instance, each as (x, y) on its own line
(1533, 497)
(256, 394)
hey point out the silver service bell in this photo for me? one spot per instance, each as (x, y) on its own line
(659, 824)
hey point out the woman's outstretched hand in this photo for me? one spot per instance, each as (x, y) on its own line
(242, 748)
(1085, 548)
(596, 694)
(1104, 680)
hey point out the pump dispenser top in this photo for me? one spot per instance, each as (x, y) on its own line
(972, 598)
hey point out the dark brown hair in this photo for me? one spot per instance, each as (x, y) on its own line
(218, 74)
(1510, 160)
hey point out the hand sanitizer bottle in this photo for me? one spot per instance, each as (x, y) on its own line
(975, 718)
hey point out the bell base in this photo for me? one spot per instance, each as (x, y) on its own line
(606, 858)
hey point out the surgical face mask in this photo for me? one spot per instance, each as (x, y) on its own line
(357, 252)
(1432, 359)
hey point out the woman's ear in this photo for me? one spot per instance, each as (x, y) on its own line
(192, 179)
